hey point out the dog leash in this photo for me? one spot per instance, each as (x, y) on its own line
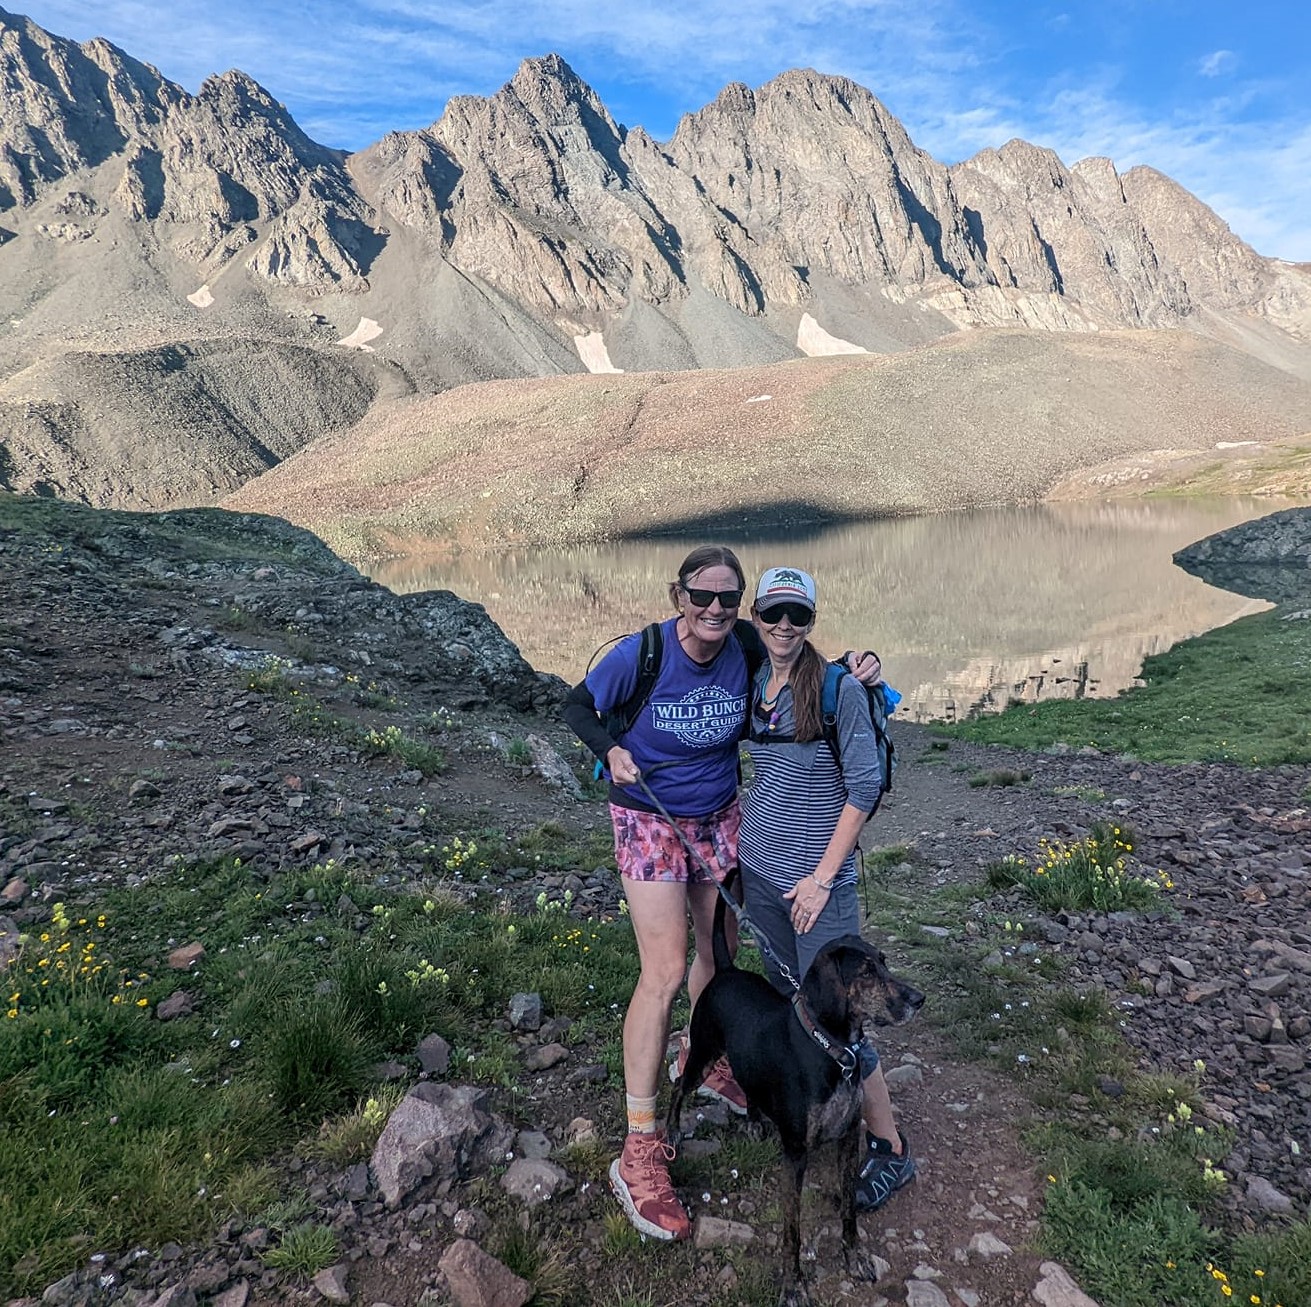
(844, 1055)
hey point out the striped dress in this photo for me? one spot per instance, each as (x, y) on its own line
(797, 791)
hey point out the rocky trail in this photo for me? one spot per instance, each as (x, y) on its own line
(129, 735)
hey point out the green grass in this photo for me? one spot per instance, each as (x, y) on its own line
(233, 618)
(117, 1129)
(274, 678)
(316, 1058)
(304, 1250)
(1238, 694)
(393, 742)
(1002, 778)
(351, 1136)
(533, 1256)
(1130, 1220)
(1275, 1266)
(1087, 793)
(1150, 1255)
(518, 754)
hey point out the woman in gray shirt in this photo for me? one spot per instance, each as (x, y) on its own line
(802, 815)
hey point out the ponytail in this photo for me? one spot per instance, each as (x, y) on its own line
(807, 681)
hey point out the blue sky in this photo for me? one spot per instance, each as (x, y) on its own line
(1217, 95)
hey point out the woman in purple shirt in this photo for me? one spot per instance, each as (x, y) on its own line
(684, 744)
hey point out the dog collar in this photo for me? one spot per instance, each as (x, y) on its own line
(843, 1054)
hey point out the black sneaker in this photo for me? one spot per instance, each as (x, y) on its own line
(882, 1173)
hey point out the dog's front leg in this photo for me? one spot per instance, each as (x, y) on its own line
(794, 1292)
(848, 1171)
(861, 1265)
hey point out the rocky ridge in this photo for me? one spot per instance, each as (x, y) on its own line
(129, 736)
(972, 420)
(202, 170)
(528, 233)
(1269, 558)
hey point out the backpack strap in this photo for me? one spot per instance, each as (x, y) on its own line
(828, 708)
(649, 653)
(753, 648)
(833, 675)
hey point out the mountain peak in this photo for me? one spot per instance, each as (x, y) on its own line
(235, 83)
(549, 79)
(550, 66)
(805, 196)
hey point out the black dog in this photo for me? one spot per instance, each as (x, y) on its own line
(785, 1072)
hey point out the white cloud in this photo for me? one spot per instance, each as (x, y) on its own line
(1219, 61)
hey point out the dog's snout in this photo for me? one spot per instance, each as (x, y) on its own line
(910, 1000)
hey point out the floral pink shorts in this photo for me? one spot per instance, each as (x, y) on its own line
(646, 847)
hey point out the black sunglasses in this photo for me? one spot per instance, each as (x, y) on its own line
(797, 614)
(704, 598)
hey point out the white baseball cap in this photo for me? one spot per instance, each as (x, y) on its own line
(786, 585)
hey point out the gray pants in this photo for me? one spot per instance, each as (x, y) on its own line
(772, 914)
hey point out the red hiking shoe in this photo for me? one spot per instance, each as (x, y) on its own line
(639, 1177)
(718, 1084)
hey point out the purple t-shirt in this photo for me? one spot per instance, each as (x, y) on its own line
(694, 720)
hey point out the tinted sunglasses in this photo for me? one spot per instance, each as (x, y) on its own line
(704, 598)
(797, 614)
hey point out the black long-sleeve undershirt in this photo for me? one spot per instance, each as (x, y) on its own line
(580, 716)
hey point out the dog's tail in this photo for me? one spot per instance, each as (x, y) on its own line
(719, 936)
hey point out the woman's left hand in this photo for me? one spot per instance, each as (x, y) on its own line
(865, 667)
(808, 898)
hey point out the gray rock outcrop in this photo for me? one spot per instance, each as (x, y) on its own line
(1269, 557)
(437, 1130)
(1277, 540)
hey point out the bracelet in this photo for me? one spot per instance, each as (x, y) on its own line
(821, 884)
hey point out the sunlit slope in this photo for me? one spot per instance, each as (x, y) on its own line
(174, 423)
(985, 417)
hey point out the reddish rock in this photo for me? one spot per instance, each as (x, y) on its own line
(186, 957)
(476, 1279)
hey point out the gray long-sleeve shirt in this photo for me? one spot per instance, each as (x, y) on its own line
(797, 791)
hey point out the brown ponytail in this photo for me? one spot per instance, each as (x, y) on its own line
(807, 682)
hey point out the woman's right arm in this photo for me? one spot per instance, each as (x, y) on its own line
(614, 680)
(581, 717)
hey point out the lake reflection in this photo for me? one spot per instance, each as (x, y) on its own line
(968, 610)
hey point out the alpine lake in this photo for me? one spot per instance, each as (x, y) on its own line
(968, 611)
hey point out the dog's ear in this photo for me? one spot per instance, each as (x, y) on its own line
(854, 957)
(825, 983)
